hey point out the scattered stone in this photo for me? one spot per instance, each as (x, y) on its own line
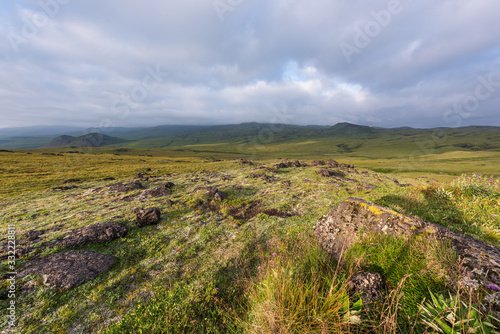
(140, 175)
(145, 217)
(215, 193)
(244, 162)
(286, 183)
(156, 192)
(354, 218)
(97, 233)
(71, 181)
(64, 188)
(34, 234)
(148, 169)
(332, 163)
(287, 164)
(120, 187)
(370, 286)
(169, 185)
(267, 178)
(67, 270)
(329, 172)
(318, 163)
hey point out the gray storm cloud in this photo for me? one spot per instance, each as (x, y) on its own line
(383, 63)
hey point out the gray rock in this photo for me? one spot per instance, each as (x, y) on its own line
(97, 233)
(159, 191)
(145, 217)
(354, 218)
(67, 270)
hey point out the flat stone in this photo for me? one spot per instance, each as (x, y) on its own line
(67, 270)
(97, 233)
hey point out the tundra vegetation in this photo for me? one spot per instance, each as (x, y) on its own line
(248, 261)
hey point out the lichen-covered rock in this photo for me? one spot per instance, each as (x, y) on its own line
(67, 270)
(97, 233)
(355, 217)
(145, 217)
(370, 286)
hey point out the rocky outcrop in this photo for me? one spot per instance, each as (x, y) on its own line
(67, 270)
(97, 233)
(353, 218)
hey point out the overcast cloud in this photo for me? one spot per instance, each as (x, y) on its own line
(139, 63)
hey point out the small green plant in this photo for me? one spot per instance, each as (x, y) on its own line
(452, 315)
(298, 291)
(477, 185)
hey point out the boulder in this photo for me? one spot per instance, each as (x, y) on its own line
(370, 286)
(145, 217)
(97, 233)
(215, 193)
(67, 270)
(169, 185)
(354, 218)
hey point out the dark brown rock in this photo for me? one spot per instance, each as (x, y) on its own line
(287, 164)
(329, 172)
(215, 193)
(354, 218)
(159, 191)
(370, 286)
(71, 181)
(120, 187)
(145, 217)
(245, 162)
(169, 185)
(318, 163)
(67, 270)
(64, 188)
(97, 233)
(332, 163)
(33, 234)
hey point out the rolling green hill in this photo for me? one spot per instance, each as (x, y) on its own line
(90, 140)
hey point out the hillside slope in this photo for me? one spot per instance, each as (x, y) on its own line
(90, 140)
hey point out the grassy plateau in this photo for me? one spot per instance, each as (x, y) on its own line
(250, 263)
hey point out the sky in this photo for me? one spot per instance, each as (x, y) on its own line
(103, 63)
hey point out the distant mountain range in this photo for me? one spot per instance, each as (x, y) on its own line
(90, 140)
(345, 137)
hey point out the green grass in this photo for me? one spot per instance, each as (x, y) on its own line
(198, 270)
